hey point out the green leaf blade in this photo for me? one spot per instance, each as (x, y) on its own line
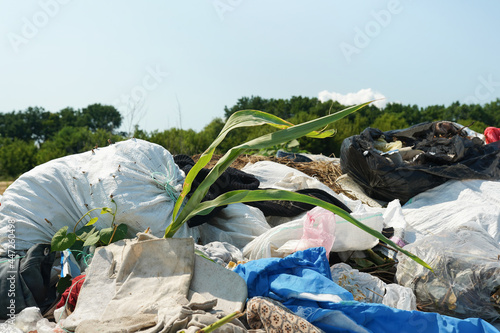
(92, 239)
(244, 118)
(265, 141)
(267, 195)
(109, 235)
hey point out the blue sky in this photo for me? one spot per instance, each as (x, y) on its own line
(155, 60)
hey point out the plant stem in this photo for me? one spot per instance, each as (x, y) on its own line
(220, 322)
(114, 230)
(81, 218)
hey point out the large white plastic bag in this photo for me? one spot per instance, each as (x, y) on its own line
(59, 192)
(454, 203)
(276, 175)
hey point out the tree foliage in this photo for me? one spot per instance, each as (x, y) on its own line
(35, 135)
(37, 124)
(395, 115)
(16, 157)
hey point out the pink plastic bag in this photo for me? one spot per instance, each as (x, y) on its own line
(319, 230)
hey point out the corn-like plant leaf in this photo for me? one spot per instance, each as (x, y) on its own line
(244, 118)
(239, 119)
(206, 207)
(254, 118)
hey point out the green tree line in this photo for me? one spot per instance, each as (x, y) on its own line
(34, 136)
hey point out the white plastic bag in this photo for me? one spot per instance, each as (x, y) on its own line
(276, 175)
(454, 203)
(273, 243)
(59, 192)
(348, 237)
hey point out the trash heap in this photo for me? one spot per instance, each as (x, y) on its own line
(266, 266)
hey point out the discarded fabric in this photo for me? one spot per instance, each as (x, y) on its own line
(70, 296)
(147, 283)
(272, 316)
(25, 281)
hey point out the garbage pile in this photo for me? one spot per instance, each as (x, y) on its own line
(266, 266)
(400, 164)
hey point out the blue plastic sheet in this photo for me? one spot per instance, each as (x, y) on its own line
(302, 282)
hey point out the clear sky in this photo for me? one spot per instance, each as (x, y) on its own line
(178, 63)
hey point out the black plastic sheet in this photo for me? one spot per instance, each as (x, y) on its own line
(435, 153)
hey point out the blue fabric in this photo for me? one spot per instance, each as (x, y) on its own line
(297, 279)
(302, 272)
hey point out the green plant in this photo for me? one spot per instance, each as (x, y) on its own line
(195, 206)
(289, 147)
(89, 235)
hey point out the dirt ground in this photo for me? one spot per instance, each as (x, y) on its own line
(4, 185)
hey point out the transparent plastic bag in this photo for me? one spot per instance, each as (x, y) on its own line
(370, 289)
(319, 230)
(7, 328)
(466, 278)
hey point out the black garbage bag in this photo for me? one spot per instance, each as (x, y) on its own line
(429, 154)
(234, 179)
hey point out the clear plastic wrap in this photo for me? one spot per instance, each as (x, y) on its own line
(466, 278)
(370, 289)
